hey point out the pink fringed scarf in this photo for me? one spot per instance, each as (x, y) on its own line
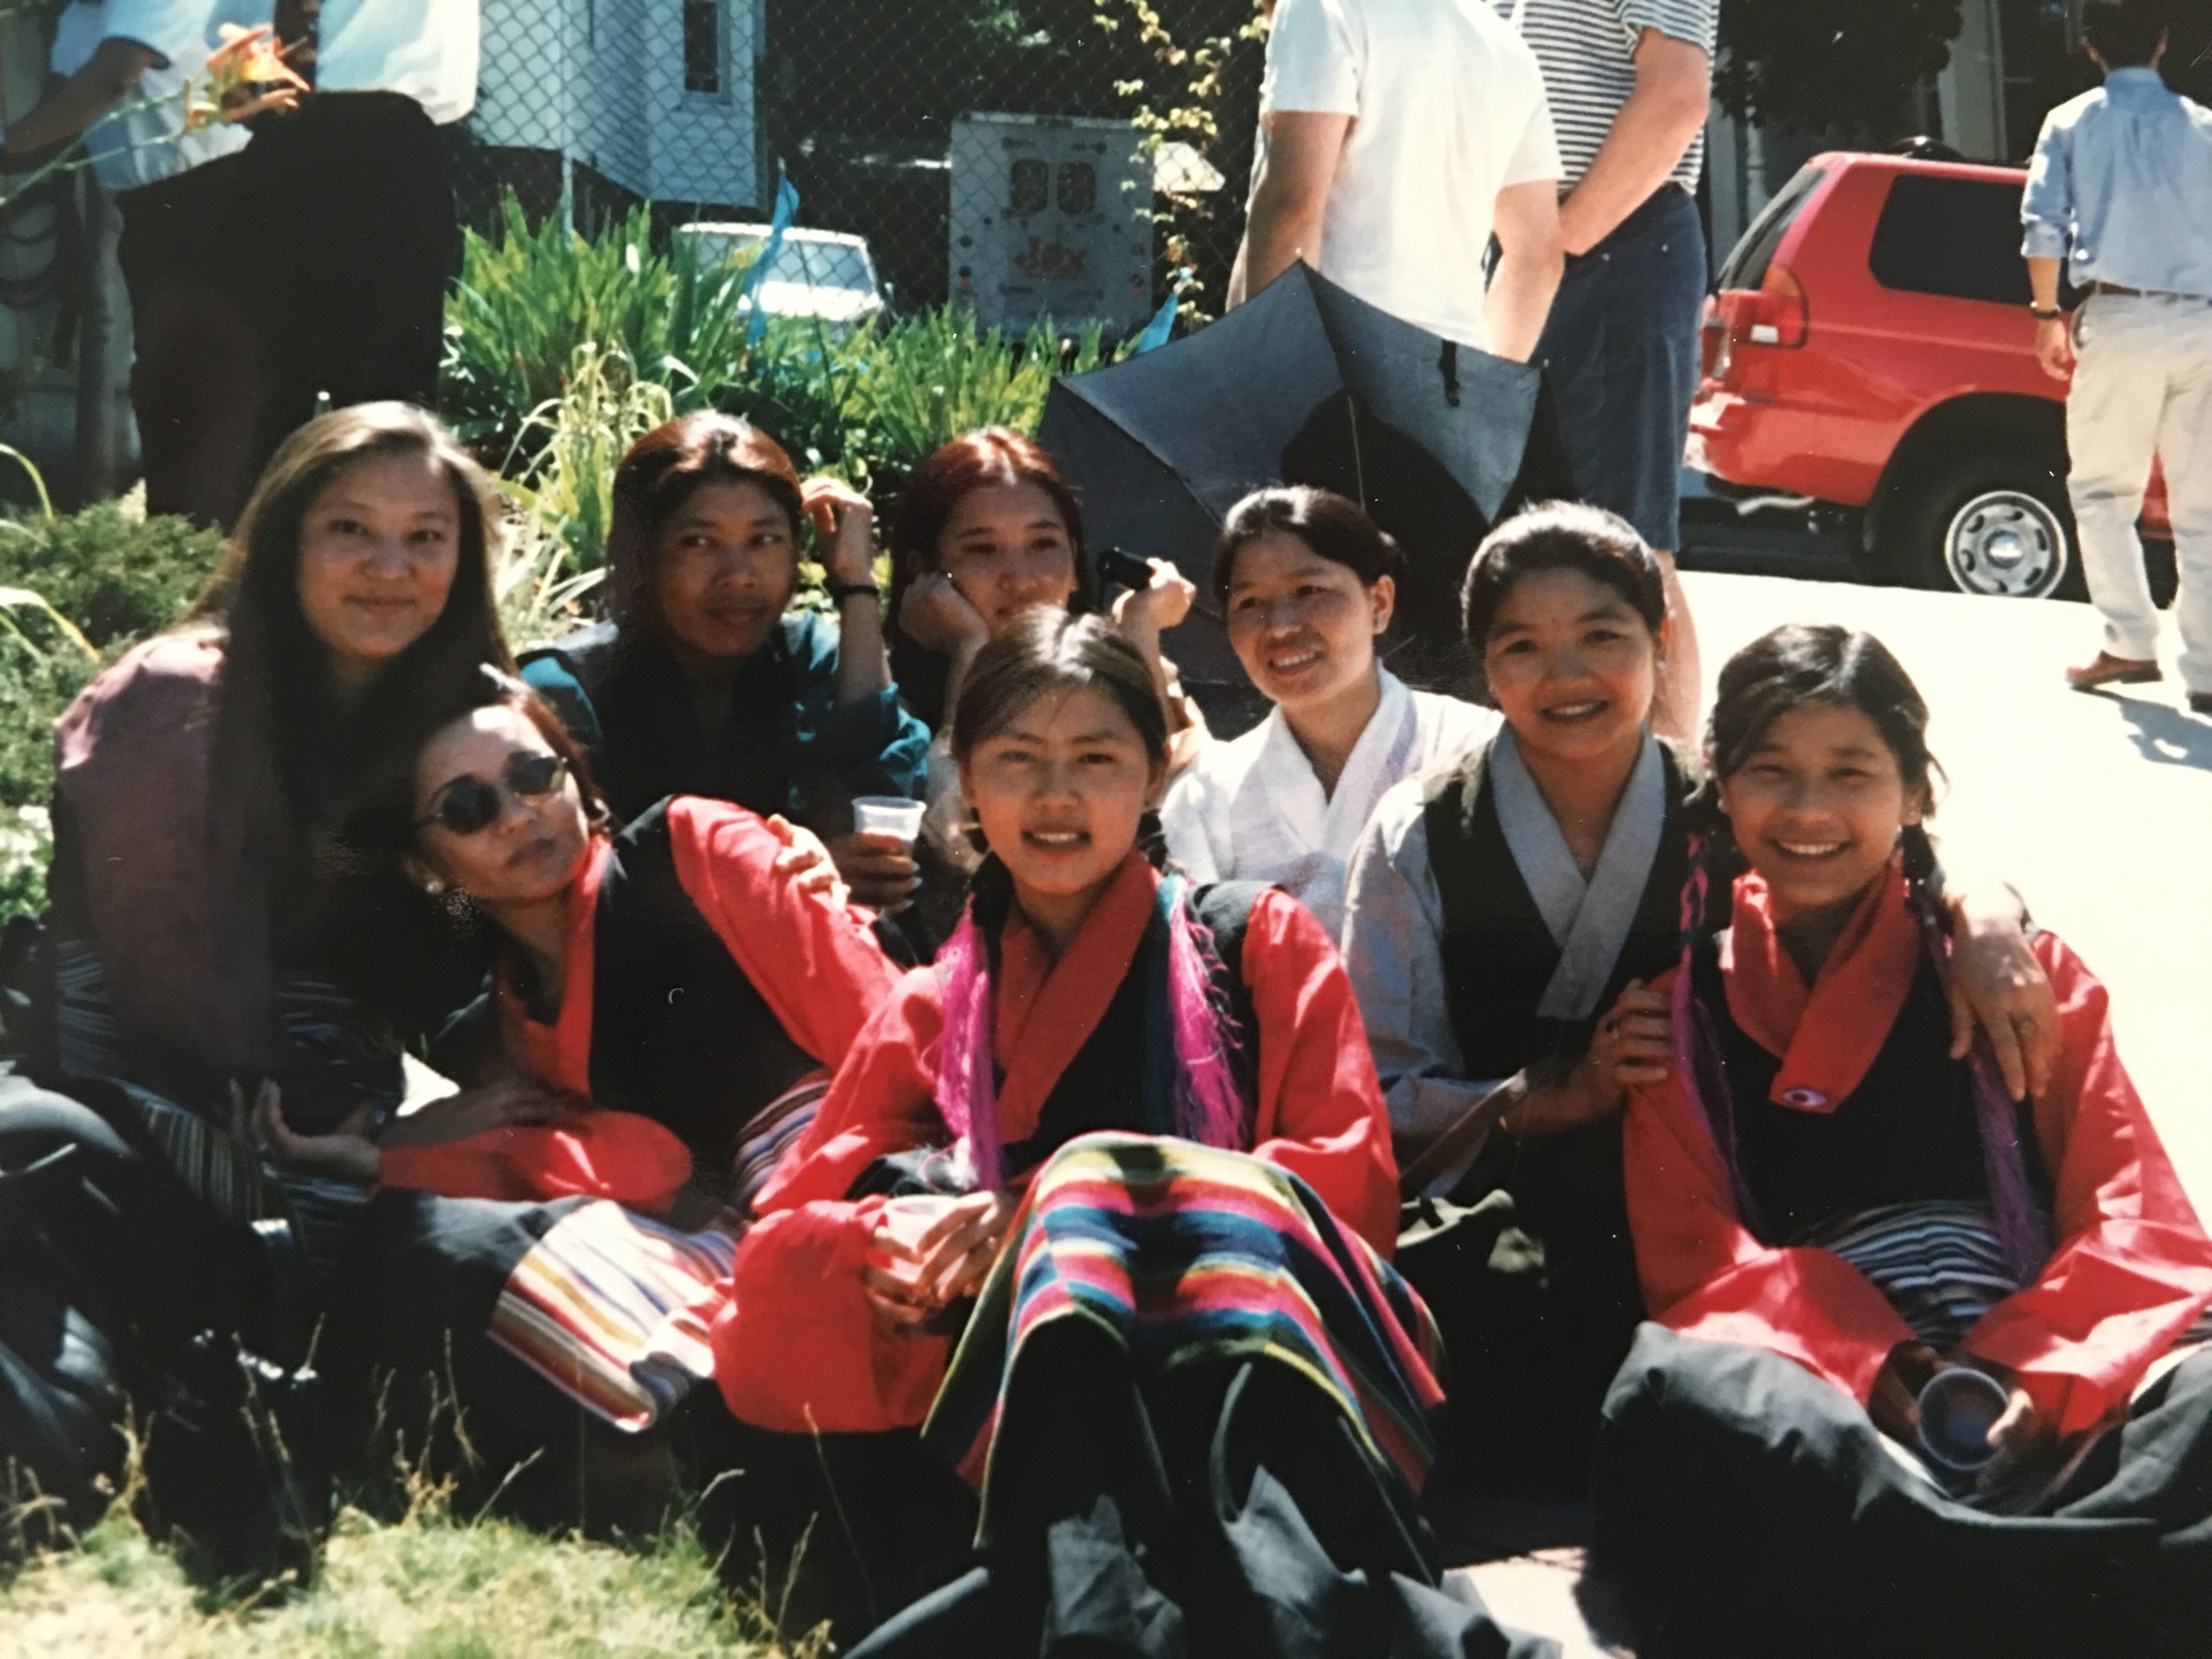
(1188, 1056)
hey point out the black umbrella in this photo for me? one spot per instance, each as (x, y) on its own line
(1308, 385)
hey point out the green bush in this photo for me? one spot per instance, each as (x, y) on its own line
(926, 380)
(116, 576)
(530, 298)
(75, 590)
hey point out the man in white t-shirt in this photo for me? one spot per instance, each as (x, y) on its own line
(1396, 136)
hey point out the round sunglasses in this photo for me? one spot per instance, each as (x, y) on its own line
(471, 804)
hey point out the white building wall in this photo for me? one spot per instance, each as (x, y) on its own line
(703, 143)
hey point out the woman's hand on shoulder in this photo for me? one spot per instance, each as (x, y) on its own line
(1998, 986)
(844, 529)
(807, 861)
(936, 615)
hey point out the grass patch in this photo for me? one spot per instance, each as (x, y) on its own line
(430, 1586)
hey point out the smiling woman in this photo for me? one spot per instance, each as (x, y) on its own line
(213, 933)
(1834, 1209)
(1120, 1096)
(706, 683)
(1307, 585)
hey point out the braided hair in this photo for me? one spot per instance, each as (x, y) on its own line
(1195, 1051)
(1794, 667)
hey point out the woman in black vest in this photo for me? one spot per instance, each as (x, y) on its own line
(669, 1007)
(1504, 919)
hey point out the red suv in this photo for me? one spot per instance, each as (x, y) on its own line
(1870, 348)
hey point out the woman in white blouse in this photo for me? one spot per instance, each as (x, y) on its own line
(1307, 584)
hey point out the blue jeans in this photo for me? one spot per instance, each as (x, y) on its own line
(1621, 350)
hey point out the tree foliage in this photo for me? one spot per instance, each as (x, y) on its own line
(1842, 65)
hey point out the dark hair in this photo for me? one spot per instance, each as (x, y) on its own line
(1557, 535)
(662, 472)
(994, 454)
(1798, 665)
(2125, 33)
(1052, 650)
(286, 756)
(1333, 528)
(991, 456)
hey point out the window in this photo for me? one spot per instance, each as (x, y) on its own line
(703, 47)
(1747, 266)
(1078, 188)
(1029, 186)
(1957, 237)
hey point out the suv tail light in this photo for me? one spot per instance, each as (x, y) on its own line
(1778, 317)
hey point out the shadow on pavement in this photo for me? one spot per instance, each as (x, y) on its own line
(2162, 733)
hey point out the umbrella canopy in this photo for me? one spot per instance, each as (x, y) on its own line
(1306, 384)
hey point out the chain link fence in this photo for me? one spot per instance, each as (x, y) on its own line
(1071, 158)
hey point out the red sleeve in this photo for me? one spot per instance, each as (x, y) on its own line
(1321, 1112)
(815, 964)
(2133, 1268)
(1705, 1275)
(797, 1349)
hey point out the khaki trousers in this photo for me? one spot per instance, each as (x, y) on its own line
(2143, 387)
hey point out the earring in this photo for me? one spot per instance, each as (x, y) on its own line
(433, 886)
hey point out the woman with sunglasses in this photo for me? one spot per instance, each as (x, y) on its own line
(673, 999)
(707, 682)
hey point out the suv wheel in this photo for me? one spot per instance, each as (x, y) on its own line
(1991, 524)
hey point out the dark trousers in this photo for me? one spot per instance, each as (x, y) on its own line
(1621, 352)
(351, 228)
(1748, 1508)
(199, 375)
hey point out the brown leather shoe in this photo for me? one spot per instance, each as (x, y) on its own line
(2200, 702)
(2109, 670)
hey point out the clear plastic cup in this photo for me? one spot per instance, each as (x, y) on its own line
(1957, 1409)
(888, 814)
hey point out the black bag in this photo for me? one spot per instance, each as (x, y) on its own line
(119, 1290)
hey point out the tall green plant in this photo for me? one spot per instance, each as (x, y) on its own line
(530, 297)
(567, 452)
(926, 380)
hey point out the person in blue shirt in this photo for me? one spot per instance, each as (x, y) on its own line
(706, 682)
(2119, 197)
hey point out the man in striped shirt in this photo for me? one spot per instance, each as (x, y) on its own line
(1629, 82)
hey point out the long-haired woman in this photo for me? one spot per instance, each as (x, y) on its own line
(213, 928)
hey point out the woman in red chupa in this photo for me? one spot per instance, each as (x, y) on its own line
(1128, 1133)
(546, 1251)
(1829, 1212)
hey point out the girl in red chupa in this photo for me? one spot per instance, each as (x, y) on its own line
(1124, 1137)
(1831, 1215)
